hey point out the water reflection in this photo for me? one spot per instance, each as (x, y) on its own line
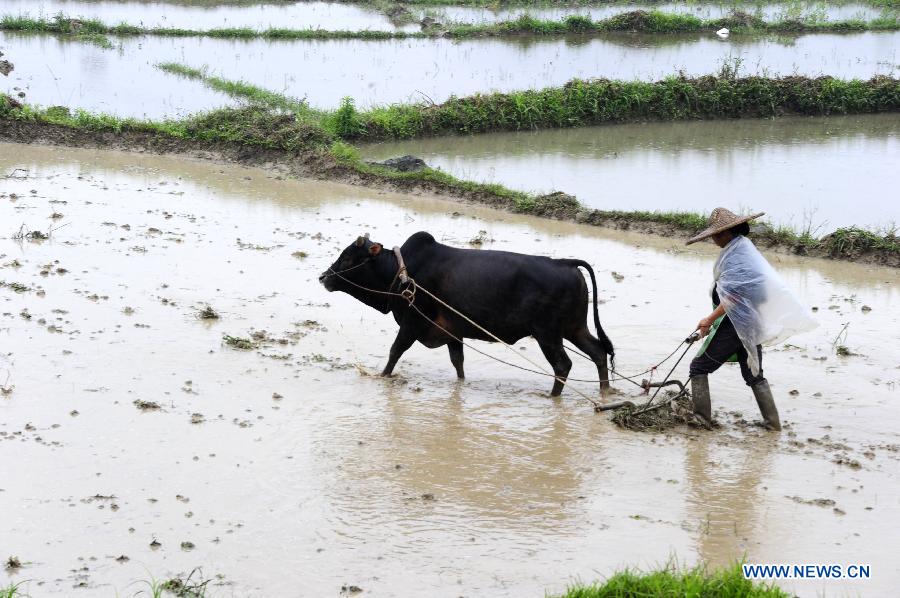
(724, 501)
(801, 171)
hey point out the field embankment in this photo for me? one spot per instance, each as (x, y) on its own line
(636, 21)
(311, 143)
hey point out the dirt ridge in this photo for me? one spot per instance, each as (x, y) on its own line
(320, 165)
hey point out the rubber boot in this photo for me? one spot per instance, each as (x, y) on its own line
(700, 396)
(766, 403)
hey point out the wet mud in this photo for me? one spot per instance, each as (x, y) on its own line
(282, 468)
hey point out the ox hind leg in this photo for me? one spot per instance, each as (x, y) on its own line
(555, 353)
(588, 343)
(456, 358)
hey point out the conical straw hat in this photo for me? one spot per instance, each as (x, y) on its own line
(721, 220)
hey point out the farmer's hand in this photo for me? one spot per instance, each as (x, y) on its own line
(704, 325)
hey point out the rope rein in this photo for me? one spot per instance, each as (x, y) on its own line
(409, 295)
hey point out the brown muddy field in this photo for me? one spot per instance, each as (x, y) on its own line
(137, 444)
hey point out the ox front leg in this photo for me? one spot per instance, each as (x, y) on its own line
(456, 358)
(556, 355)
(405, 338)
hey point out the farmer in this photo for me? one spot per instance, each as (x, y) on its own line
(751, 307)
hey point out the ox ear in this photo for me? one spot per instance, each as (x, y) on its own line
(360, 241)
(375, 249)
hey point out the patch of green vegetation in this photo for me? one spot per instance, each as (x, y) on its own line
(671, 581)
(238, 342)
(684, 220)
(187, 587)
(582, 103)
(238, 89)
(96, 39)
(91, 31)
(12, 591)
(17, 287)
(855, 240)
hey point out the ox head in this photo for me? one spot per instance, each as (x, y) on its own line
(358, 269)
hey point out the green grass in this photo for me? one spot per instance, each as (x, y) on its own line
(671, 582)
(237, 89)
(12, 591)
(583, 103)
(94, 31)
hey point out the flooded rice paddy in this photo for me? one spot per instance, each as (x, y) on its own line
(346, 16)
(800, 170)
(287, 470)
(126, 82)
(211, 15)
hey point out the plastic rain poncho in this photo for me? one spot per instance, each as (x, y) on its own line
(759, 304)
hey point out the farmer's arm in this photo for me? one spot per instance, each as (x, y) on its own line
(704, 324)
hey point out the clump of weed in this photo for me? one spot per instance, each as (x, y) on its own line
(480, 239)
(345, 123)
(146, 405)
(854, 240)
(238, 342)
(208, 313)
(13, 563)
(18, 287)
(11, 591)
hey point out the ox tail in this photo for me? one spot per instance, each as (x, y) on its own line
(601, 335)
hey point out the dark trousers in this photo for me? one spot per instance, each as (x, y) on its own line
(723, 345)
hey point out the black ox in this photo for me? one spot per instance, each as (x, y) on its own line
(509, 294)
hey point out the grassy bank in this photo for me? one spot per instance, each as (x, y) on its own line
(561, 3)
(674, 582)
(634, 21)
(311, 144)
(582, 103)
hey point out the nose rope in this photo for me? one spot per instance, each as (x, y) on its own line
(332, 272)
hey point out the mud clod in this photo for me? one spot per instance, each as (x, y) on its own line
(208, 313)
(146, 405)
(403, 164)
(237, 342)
(671, 413)
(13, 563)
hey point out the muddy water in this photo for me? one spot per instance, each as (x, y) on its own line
(209, 15)
(330, 481)
(800, 171)
(125, 80)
